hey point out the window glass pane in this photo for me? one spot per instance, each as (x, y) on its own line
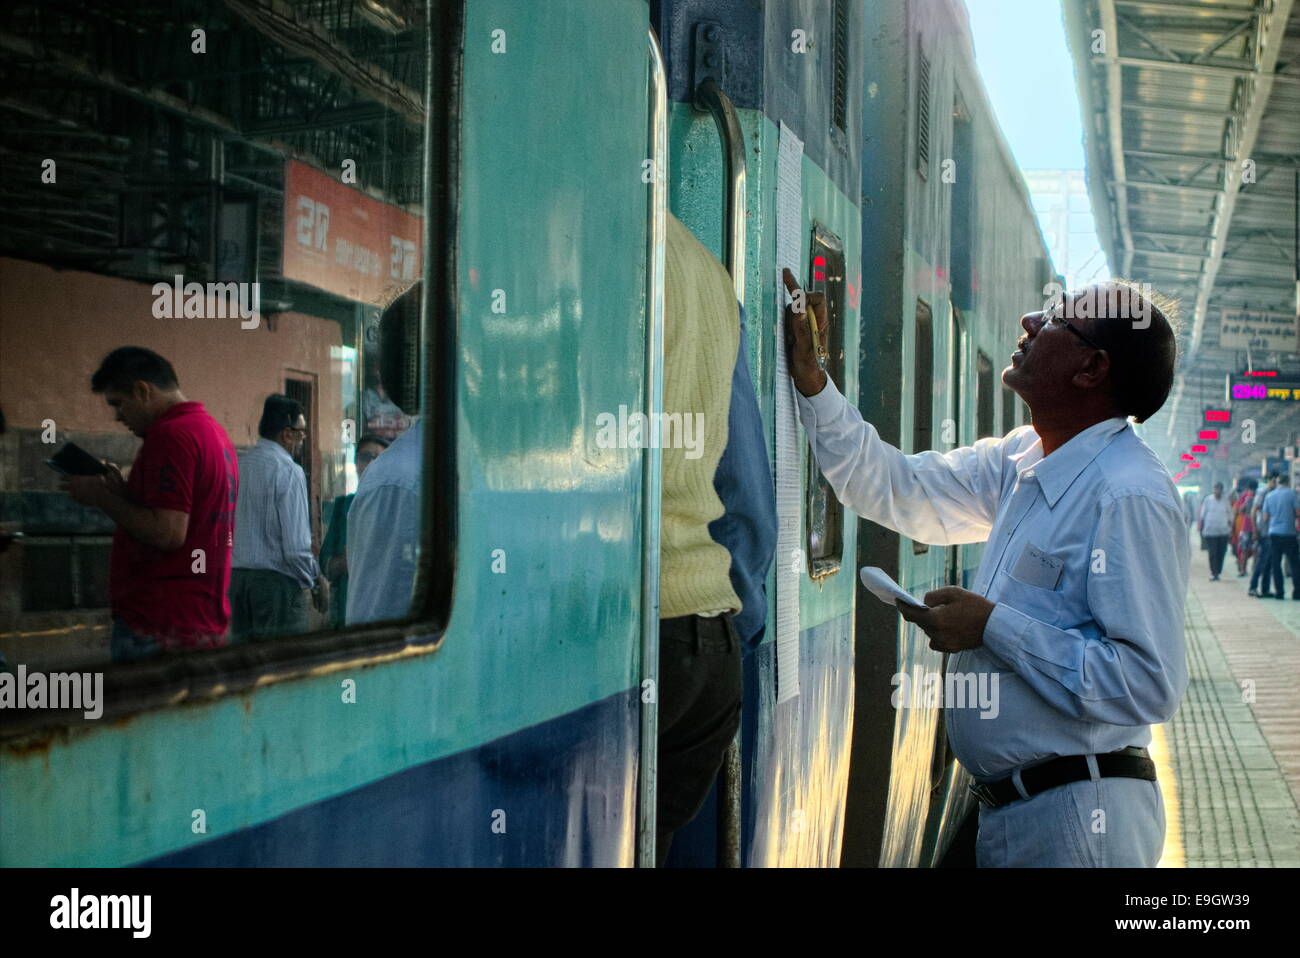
(245, 219)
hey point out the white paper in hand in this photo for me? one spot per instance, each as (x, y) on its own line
(885, 589)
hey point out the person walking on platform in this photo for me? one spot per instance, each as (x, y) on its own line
(1076, 615)
(1259, 578)
(1243, 527)
(1215, 524)
(1278, 516)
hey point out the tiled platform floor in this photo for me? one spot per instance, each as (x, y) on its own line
(1231, 756)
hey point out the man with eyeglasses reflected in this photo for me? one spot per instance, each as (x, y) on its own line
(1075, 615)
(274, 564)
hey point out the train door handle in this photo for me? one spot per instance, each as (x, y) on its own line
(656, 235)
(710, 97)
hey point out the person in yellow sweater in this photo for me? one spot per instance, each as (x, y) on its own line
(699, 648)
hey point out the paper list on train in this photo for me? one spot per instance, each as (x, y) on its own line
(790, 561)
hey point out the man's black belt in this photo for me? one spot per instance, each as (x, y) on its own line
(1126, 763)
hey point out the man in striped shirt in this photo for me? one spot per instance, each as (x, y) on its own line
(273, 561)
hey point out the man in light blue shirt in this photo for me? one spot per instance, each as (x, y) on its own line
(384, 532)
(1279, 515)
(1075, 622)
(384, 521)
(273, 562)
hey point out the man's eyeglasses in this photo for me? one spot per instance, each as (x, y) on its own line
(1052, 317)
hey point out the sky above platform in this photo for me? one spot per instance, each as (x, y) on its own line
(1021, 53)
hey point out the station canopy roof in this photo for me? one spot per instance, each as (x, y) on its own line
(1192, 131)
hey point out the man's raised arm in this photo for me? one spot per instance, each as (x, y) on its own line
(939, 498)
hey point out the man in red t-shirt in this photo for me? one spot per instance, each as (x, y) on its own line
(175, 514)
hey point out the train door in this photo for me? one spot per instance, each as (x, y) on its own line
(956, 432)
(743, 134)
(941, 757)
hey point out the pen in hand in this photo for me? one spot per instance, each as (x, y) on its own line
(806, 352)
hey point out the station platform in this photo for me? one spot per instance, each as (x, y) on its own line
(1229, 760)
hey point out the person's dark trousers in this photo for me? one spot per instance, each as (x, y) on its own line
(127, 645)
(1216, 546)
(265, 604)
(1284, 546)
(699, 714)
(1260, 577)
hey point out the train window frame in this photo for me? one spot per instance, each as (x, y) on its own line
(203, 675)
(828, 247)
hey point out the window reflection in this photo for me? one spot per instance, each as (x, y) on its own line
(248, 215)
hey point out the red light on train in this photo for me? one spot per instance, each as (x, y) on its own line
(1218, 415)
(819, 268)
(1208, 434)
(1187, 457)
(1200, 448)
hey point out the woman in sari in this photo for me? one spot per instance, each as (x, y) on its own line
(1243, 528)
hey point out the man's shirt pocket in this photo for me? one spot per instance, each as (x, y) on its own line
(1045, 605)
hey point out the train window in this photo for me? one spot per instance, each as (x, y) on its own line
(825, 531)
(1008, 410)
(922, 110)
(984, 395)
(922, 387)
(213, 285)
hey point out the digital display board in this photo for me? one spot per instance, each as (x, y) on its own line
(1246, 388)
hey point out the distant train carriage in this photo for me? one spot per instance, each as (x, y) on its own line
(504, 720)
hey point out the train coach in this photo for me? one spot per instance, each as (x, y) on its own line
(521, 166)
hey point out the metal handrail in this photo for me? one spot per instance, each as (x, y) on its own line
(709, 96)
(657, 215)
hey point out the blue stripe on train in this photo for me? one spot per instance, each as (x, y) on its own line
(565, 791)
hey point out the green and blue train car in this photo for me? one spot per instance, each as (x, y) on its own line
(505, 721)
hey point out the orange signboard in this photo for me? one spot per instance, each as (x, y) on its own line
(340, 240)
